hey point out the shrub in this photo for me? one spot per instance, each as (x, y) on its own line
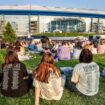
(9, 34)
(63, 34)
(1, 59)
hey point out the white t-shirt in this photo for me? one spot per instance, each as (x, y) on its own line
(86, 75)
(94, 50)
(52, 90)
(76, 53)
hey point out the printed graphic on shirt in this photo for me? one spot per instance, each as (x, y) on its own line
(92, 76)
(15, 76)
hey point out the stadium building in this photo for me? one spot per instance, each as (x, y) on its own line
(39, 19)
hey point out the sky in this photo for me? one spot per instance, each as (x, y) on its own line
(88, 4)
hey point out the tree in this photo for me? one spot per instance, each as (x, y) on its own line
(9, 34)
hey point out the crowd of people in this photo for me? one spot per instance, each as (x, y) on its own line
(47, 79)
(61, 50)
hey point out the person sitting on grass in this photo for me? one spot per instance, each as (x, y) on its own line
(101, 48)
(47, 80)
(20, 56)
(9, 48)
(85, 75)
(63, 52)
(22, 48)
(15, 79)
(77, 50)
(32, 46)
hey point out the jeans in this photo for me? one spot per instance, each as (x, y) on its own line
(67, 71)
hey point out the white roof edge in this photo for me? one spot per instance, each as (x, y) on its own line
(36, 7)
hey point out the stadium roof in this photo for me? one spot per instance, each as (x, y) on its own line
(50, 11)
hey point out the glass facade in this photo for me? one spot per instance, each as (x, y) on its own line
(67, 25)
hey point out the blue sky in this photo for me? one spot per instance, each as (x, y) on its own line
(89, 4)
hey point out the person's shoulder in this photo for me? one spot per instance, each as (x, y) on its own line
(79, 65)
(94, 63)
(60, 47)
(21, 64)
(3, 64)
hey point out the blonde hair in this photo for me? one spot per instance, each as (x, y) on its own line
(87, 46)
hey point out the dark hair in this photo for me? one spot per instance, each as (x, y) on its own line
(101, 42)
(17, 43)
(63, 43)
(9, 48)
(17, 49)
(11, 57)
(86, 56)
(78, 45)
(42, 72)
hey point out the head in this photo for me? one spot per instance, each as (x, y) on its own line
(9, 48)
(43, 70)
(11, 57)
(18, 43)
(101, 42)
(86, 56)
(87, 46)
(33, 42)
(64, 43)
(47, 58)
(78, 45)
(17, 49)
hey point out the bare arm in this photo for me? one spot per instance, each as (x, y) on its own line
(75, 75)
(37, 96)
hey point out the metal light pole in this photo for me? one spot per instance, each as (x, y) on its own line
(29, 21)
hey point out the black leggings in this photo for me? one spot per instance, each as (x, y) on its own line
(30, 81)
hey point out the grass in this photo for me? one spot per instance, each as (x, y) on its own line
(68, 97)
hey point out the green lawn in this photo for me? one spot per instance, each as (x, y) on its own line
(68, 97)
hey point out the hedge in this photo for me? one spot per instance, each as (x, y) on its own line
(63, 34)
